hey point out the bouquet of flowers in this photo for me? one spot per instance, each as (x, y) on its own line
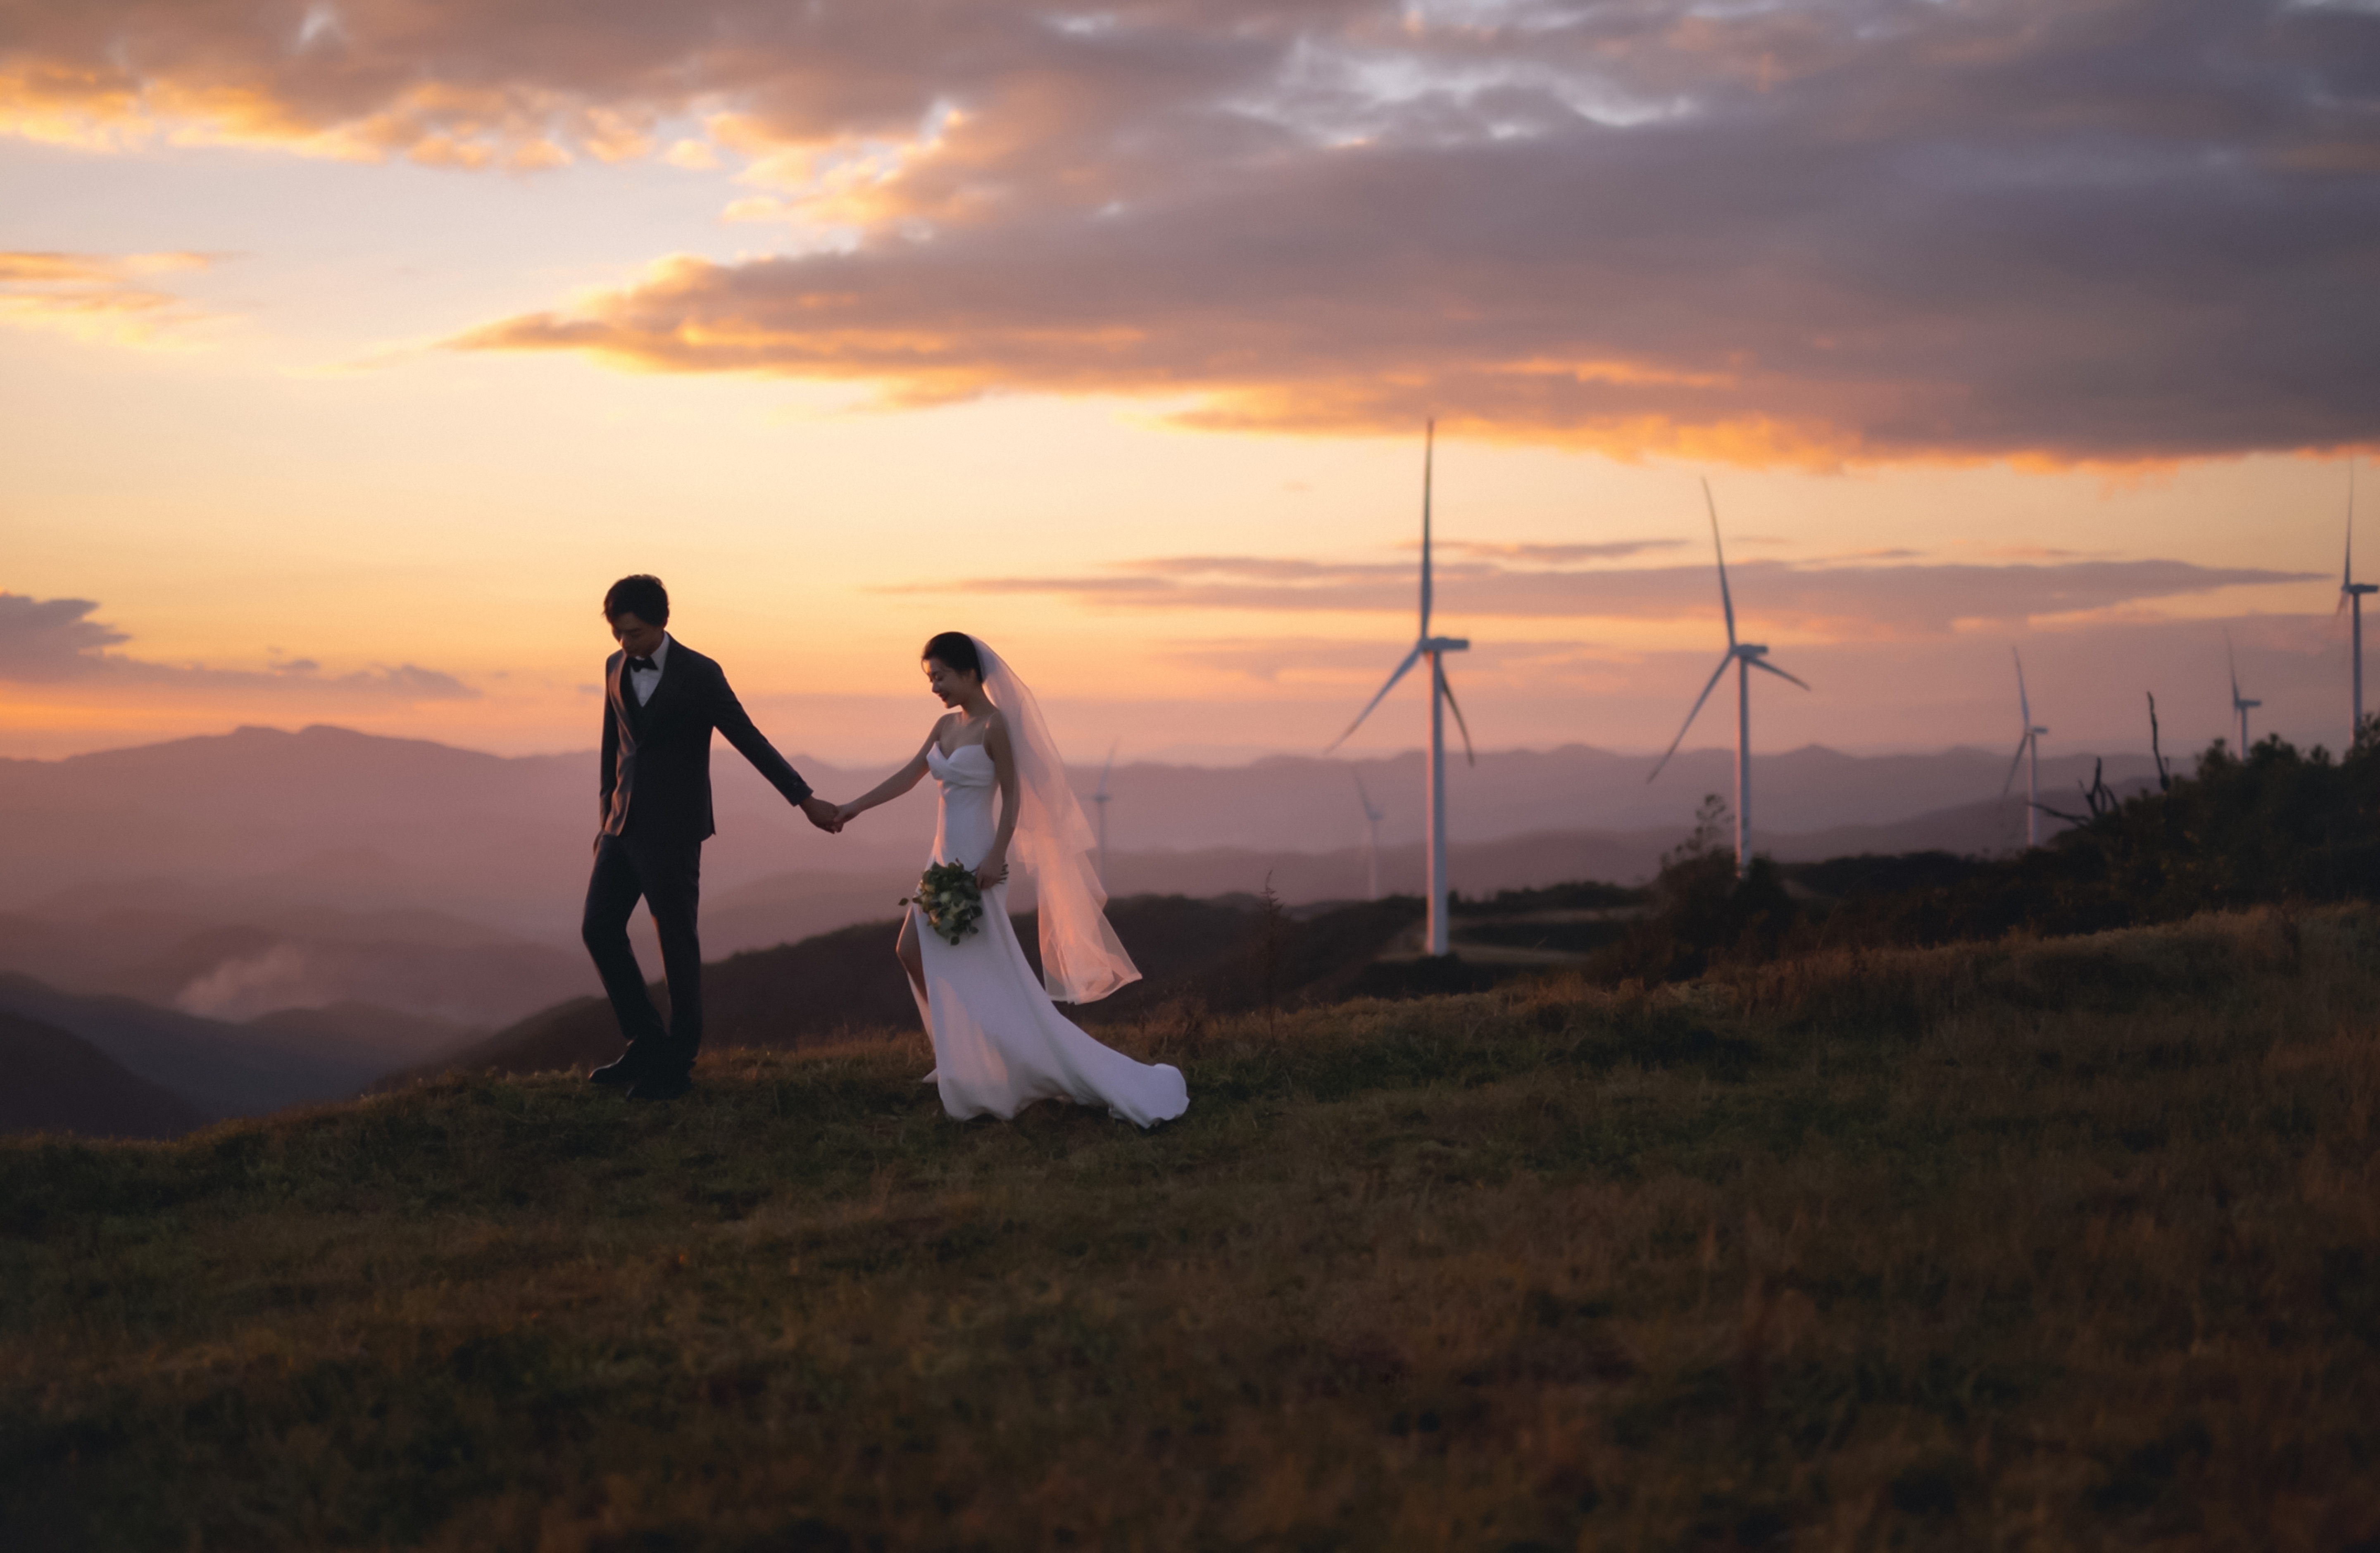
(948, 896)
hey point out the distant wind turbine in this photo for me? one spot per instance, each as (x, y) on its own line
(1100, 797)
(1442, 697)
(1372, 819)
(2029, 744)
(2240, 703)
(1746, 657)
(2351, 597)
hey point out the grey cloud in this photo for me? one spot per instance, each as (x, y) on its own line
(1556, 555)
(408, 681)
(54, 640)
(1850, 602)
(51, 638)
(1864, 229)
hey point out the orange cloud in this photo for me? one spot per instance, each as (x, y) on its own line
(1800, 234)
(99, 296)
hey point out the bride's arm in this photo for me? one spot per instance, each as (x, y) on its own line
(1003, 767)
(900, 781)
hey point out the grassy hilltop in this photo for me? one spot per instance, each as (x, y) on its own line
(2046, 1244)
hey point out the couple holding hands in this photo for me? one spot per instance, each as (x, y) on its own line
(1005, 813)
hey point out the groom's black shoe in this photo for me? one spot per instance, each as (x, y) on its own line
(660, 1087)
(621, 1074)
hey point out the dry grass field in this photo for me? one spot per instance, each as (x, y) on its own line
(2065, 1243)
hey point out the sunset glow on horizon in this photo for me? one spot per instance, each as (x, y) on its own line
(350, 349)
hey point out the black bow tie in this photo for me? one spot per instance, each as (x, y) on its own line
(635, 664)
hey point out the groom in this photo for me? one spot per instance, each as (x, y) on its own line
(660, 701)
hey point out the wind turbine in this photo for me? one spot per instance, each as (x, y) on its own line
(2238, 703)
(1100, 797)
(1746, 657)
(2351, 596)
(2029, 744)
(1442, 697)
(1372, 819)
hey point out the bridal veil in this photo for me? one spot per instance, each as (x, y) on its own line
(1082, 958)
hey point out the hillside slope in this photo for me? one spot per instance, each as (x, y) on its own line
(227, 965)
(58, 1083)
(220, 1070)
(2061, 1244)
(844, 982)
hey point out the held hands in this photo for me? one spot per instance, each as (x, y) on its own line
(825, 816)
(994, 870)
(846, 814)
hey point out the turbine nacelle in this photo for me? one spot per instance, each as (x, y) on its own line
(1746, 657)
(2027, 742)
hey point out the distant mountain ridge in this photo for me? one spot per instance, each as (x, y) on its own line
(423, 965)
(261, 820)
(59, 1083)
(218, 1069)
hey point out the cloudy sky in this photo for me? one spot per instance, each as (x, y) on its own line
(348, 349)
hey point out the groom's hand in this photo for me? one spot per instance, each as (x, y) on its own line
(825, 816)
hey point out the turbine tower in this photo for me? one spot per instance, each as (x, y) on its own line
(1372, 819)
(1746, 657)
(2351, 596)
(1100, 797)
(2029, 744)
(2238, 703)
(1442, 698)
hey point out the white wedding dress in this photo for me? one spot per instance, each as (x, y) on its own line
(1000, 1043)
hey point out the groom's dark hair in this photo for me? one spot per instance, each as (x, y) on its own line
(955, 649)
(642, 595)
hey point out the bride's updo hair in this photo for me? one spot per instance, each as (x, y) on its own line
(955, 649)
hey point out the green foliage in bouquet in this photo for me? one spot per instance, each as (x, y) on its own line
(947, 894)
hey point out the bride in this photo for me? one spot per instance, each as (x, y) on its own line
(1000, 1043)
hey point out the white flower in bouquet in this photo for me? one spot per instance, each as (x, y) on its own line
(948, 896)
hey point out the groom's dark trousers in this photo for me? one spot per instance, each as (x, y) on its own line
(656, 806)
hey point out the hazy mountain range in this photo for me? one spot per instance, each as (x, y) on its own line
(261, 917)
(60, 1082)
(241, 826)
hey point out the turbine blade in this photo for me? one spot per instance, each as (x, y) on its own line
(1726, 600)
(1708, 688)
(2346, 576)
(1102, 789)
(1366, 797)
(2015, 763)
(2023, 705)
(1446, 690)
(1402, 669)
(2233, 659)
(1764, 663)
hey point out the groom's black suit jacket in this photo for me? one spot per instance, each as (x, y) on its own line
(657, 756)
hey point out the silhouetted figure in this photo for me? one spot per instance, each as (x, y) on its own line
(660, 701)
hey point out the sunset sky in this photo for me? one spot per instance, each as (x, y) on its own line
(348, 350)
